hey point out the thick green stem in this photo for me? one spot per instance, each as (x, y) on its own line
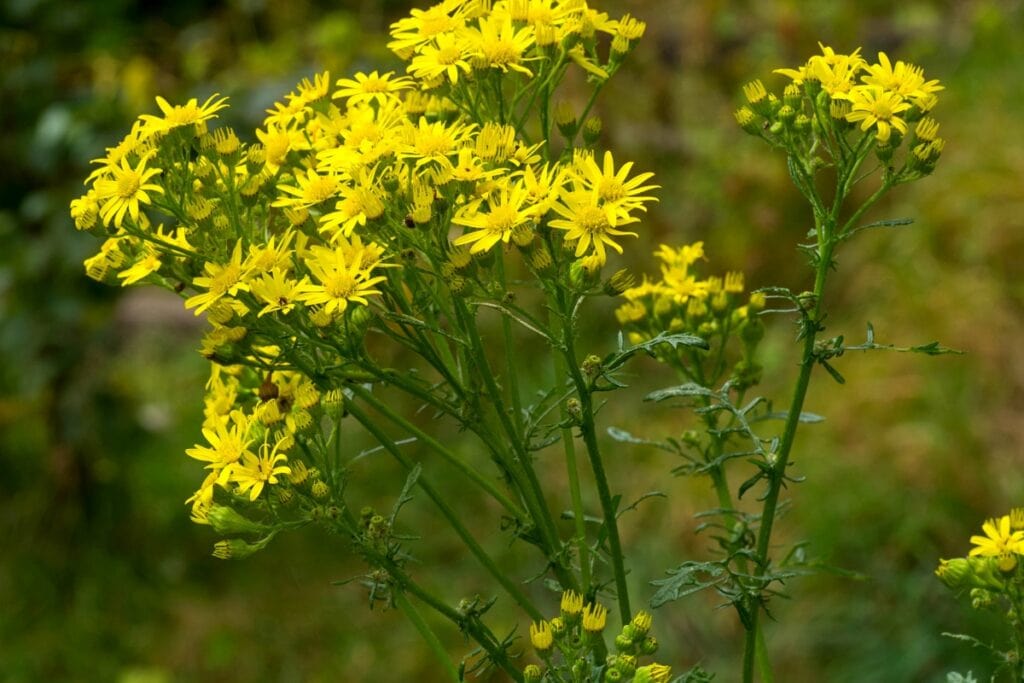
(433, 642)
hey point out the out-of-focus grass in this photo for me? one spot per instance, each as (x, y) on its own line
(102, 575)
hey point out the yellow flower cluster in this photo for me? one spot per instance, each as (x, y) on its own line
(833, 92)
(712, 308)
(312, 230)
(574, 632)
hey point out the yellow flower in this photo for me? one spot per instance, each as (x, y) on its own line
(595, 616)
(177, 116)
(873, 106)
(275, 289)
(541, 636)
(257, 471)
(615, 188)
(502, 217)
(589, 224)
(220, 280)
(343, 275)
(372, 88)
(572, 603)
(653, 673)
(445, 57)
(146, 264)
(359, 203)
(125, 190)
(228, 441)
(496, 44)
(414, 32)
(309, 190)
(903, 79)
(999, 540)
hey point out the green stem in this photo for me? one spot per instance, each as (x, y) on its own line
(533, 494)
(572, 470)
(587, 428)
(511, 588)
(511, 372)
(439, 448)
(433, 642)
(777, 476)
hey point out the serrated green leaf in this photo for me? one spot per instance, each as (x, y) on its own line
(682, 390)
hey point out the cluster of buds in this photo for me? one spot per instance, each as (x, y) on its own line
(575, 634)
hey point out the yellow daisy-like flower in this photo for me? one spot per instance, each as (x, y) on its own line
(145, 265)
(619, 193)
(446, 57)
(220, 280)
(999, 539)
(414, 32)
(228, 441)
(343, 275)
(504, 214)
(255, 472)
(309, 190)
(873, 106)
(572, 603)
(277, 290)
(177, 116)
(496, 44)
(589, 224)
(371, 88)
(125, 190)
(903, 79)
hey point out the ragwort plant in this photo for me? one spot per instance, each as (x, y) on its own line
(386, 211)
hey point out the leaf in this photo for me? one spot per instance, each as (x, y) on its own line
(622, 436)
(614, 360)
(891, 223)
(688, 389)
(805, 417)
(685, 580)
(405, 496)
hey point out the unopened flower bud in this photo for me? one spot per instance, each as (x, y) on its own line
(649, 645)
(653, 673)
(619, 283)
(227, 520)
(591, 130)
(532, 674)
(320, 489)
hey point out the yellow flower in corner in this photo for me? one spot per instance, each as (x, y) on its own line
(125, 191)
(999, 539)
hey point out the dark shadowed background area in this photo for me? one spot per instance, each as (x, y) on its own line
(103, 577)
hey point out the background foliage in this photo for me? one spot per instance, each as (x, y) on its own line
(103, 578)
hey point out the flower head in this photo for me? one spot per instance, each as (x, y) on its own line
(999, 539)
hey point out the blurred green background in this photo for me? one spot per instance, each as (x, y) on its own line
(102, 576)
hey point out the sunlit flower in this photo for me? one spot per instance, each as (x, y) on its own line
(588, 224)
(371, 88)
(177, 116)
(872, 106)
(220, 280)
(254, 472)
(503, 215)
(125, 190)
(999, 539)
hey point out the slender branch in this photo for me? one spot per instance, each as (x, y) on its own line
(433, 642)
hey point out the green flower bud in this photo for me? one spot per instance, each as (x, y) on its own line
(532, 673)
(226, 520)
(649, 645)
(591, 130)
